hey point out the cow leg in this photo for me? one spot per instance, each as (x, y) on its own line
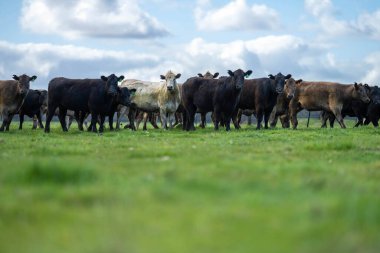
(49, 116)
(102, 119)
(21, 120)
(266, 118)
(163, 119)
(184, 120)
(35, 122)
(110, 121)
(203, 120)
(131, 117)
(375, 121)
(10, 117)
(62, 118)
(285, 121)
(39, 119)
(227, 121)
(339, 118)
(259, 115)
(153, 120)
(94, 120)
(324, 118)
(235, 118)
(139, 117)
(190, 111)
(293, 114)
(170, 116)
(217, 118)
(360, 121)
(5, 119)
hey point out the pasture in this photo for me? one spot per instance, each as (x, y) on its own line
(309, 190)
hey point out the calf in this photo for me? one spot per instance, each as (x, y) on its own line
(34, 105)
(324, 96)
(95, 96)
(163, 97)
(220, 96)
(12, 96)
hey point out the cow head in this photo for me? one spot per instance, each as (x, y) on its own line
(170, 80)
(374, 95)
(290, 87)
(112, 84)
(279, 81)
(124, 96)
(208, 75)
(23, 83)
(360, 93)
(238, 77)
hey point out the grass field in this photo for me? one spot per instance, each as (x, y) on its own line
(310, 190)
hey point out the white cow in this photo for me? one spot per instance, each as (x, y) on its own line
(163, 97)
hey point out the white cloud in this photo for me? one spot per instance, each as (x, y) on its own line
(319, 7)
(83, 18)
(366, 24)
(236, 15)
(372, 75)
(324, 11)
(264, 55)
(48, 61)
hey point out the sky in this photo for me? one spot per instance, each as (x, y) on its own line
(316, 40)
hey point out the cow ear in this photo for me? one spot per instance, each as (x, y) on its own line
(162, 77)
(230, 73)
(248, 73)
(299, 81)
(271, 76)
(33, 78)
(104, 78)
(15, 77)
(356, 85)
(200, 75)
(216, 75)
(178, 76)
(120, 78)
(288, 76)
(132, 91)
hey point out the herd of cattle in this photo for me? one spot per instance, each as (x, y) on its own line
(227, 97)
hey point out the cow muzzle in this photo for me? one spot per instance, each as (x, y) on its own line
(279, 91)
(290, 97)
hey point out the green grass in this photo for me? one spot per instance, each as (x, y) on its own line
(309, 190)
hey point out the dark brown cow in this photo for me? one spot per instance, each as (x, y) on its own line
(324, 96)
(12, 95)
(281, 110)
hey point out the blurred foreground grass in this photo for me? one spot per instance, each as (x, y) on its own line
(310, 190)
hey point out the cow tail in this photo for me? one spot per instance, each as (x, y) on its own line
(308, 120)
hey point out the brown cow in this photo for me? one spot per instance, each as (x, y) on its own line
(12, 95)
(324, 96)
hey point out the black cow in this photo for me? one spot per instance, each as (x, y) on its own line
(219, 96)
(34, 104)
(95, 96)
(123, 98)
(373, 112)
(260, 95)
